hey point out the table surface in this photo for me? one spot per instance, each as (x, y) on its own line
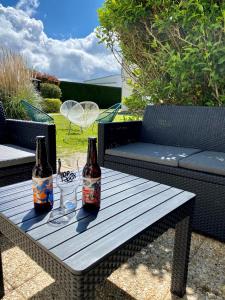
(129, 205)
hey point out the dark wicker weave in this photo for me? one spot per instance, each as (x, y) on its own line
(23, 133)
(31, 232)
(186, 126)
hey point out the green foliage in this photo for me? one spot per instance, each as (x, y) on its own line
(176, 48)
(51, 105)
(104, 96)
(49, 90)
(136, 103)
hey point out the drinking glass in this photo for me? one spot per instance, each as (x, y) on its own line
(67, 182)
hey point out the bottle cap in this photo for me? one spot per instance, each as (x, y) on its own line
(40, 138)
(92, 139)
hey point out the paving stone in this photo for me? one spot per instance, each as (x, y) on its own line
(36, 285)
(14, 295)
(18, 267)
(206, 271)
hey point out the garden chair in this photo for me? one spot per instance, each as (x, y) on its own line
(109, 114)
(36, 114)
(64, 110)
(17, 147)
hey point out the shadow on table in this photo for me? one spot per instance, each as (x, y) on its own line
(83, 223)
(31, 218)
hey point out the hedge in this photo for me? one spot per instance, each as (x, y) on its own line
(104, 96)
(50, 90)
(51, 105)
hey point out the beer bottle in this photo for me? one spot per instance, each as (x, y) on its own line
(91, 191)
(42, 178)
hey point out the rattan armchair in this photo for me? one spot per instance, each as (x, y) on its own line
(21, 134)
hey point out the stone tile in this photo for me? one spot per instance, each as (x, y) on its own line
(18, 267)
(7, 287)
(35, 285)
(194, 295)
(142, 284)
(206, 270)
(14, 295)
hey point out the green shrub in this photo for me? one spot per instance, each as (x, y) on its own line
(51, 105)
(174, 50)
(49, 90)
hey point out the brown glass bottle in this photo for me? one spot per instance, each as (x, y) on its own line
(91, 191)
(42, 178)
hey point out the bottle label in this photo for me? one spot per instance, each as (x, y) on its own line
(91, 190)
(43, 190)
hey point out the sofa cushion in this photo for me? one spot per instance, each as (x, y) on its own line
(11, 155)
(206, 161)
(160, 154)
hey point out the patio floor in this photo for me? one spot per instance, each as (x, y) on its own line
(144, 277)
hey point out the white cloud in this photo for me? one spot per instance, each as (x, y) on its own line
(29, 6)
(71, 59)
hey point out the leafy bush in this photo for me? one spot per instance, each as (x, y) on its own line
(15, 84)
(174, 50)
(51, 105)
(136, 103)
(49, 90)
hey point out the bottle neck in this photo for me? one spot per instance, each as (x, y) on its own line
(92, 153)
(41, 154)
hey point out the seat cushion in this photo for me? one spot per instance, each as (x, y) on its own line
(11, 155)
(160, 154)
(206, 161)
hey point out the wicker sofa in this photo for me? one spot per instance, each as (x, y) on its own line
(182, 146)
(17, 147)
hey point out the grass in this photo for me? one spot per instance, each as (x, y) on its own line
(77, 140)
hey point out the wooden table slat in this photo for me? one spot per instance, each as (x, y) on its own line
(23, 197)
(26, 203)
(85, 259)
(29, 213)
(109, 216)
(21, 186)
(39, 228)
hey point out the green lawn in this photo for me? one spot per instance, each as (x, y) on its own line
(77, 140)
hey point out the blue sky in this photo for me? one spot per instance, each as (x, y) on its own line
(75, 18)
(57, 37)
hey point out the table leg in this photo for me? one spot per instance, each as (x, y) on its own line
(1, 279)
(181, 253)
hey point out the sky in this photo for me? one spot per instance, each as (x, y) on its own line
(57, 39)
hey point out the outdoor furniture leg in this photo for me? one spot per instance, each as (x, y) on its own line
(69, 129)
(1, 279)
(181, 254)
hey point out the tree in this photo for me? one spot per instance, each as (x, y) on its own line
(174, 49)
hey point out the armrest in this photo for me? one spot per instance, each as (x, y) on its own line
(23, 133)
(114, 134)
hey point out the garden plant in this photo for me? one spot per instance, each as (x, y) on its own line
(15, 83)
(173, 50)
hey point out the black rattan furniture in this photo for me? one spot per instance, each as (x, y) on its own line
(81, 254)
(17, 146)
(182, 146)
